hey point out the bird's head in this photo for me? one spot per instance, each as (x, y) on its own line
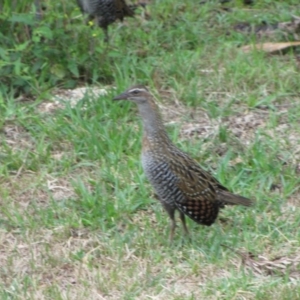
(138, 94)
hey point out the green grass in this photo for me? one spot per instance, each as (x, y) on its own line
(77, 215)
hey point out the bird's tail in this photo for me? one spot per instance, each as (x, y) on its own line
(228, 198)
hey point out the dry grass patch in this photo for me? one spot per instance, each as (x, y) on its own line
(45, 258)
(80, 263)
(294, 200)
(281, 266)
(37, 187)
(71, 97)
(17, 137)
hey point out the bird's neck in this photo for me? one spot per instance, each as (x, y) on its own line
(152, 122)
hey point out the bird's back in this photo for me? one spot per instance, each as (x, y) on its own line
(106, 10)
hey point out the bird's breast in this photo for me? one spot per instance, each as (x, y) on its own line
(161, 177)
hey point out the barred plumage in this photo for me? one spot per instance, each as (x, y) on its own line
(178, 180)
(106, 11)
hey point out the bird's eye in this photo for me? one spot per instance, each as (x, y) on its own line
(135, 92)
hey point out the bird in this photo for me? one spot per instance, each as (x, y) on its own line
(178, 180)
(106, 12)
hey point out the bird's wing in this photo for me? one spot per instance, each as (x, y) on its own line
(199, 190)
(198, 184)
(192, 179)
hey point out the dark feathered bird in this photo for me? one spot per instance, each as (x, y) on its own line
(180, 183)
(106, 11)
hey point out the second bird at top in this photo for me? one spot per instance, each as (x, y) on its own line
(180, 183)
(106, 11)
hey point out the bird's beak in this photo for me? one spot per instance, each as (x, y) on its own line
(123, 96)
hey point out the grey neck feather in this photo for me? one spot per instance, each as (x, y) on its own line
(152, 122)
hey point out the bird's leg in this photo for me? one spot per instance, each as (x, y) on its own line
(172, 230)
(182, 218)
(171, 212)
(106, 37)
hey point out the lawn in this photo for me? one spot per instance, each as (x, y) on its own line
(78, 219)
